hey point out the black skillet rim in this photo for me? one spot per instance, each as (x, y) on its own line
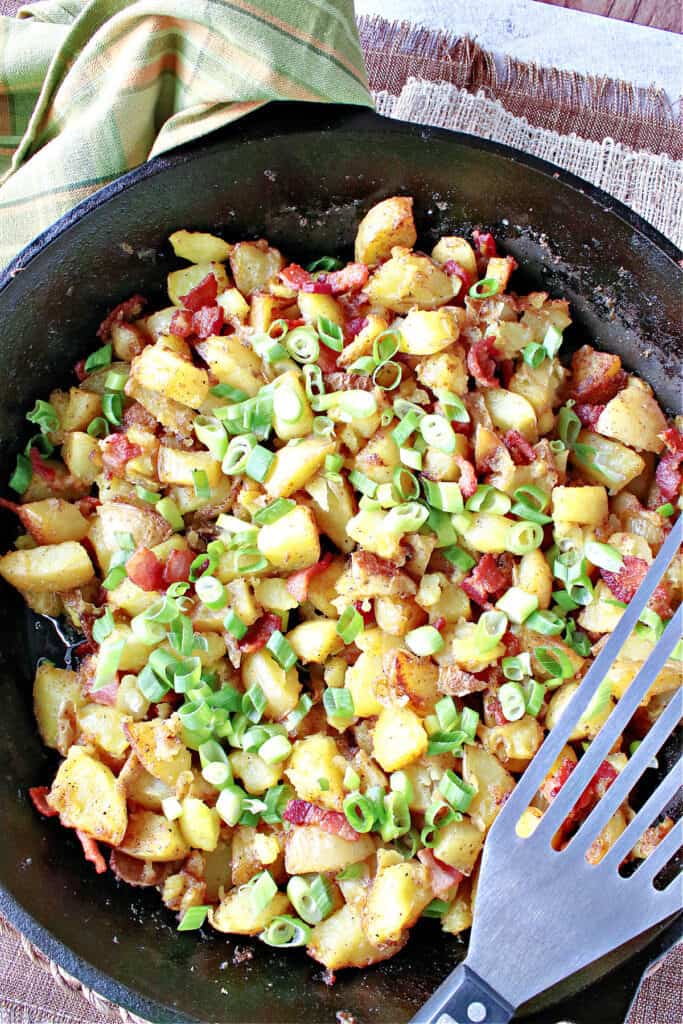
(331, 117)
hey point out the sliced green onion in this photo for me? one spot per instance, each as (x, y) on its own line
(445, 496)
(469, 720)
(516, 668)
(531, 497)
(312, 899)
(333, 463)
(599, 700)
(457, 793)
(229, 804)
(323, 426)
(351, 779)
(524, 537)
(44, 415)
(568, 426)
(217, 775)
(517, 604)
(281, 649)
(411, 458)
(454, 407)
(351, 872)
(294, 719)
(98, 427)
(151, 686)
(459, 558)
(350, 624)
(535, 695)
(112, 407)
(103, 627)
(554, 661)
(313, 383)
(406, 427)
(275, 750)
(114, 577)
(116, 380)
(288, 404)
(446, 742)
(259, 463)
(547, 622)
(665, 510)
(399, 782)
(229, 392)
(405, 518)
(338, 703)
(605, 556)
(562, 598)
(237, 454)
(363, 483)
(98, 359)
(424, 640)
(234, 625)
(485, 289)
(211, 592)
(201, 484)
(512, 700)
(331, 333)
(276, 510)
(262, 890)
(152, 497)
(359, 812)
(438, 433)
(193, 918)
(303, 344)
(254, 703)
(436, 908)
(212, 434)
(533, 354)
(286, 932)
(442, 525)
(365, 365)
(552, 341)
(396, 817)
(487, 499)
(489, 630)
(108, 659)
(324, 263)
(581, 590)
(171, 513)
(447, 713)
(21, 477)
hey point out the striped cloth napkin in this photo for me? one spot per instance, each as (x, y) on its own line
(91, 88)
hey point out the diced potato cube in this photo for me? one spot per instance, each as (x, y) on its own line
(409, 681)
(451, 247)
(131, 599)
(171, 414)
(272, 594)
(181, 282)
(315, 640)
(52, 687)
(398, 738)
(407, 280)
(54, 567)
(253, 264)
(289, 393)
(424, 332)
(81, 454)
(88, 797)
(232, 361)
(613, 464)
(634, 418)
(200, 825)
(333, 506)
(281, 688)
(396, 899)
(103, 726)
(53, 521)
(159, 749)
(363, 342)
(314, 758)
(294, 465)
(199, 247)
(309, 848)
(236, 914)
(369, 531)
(385, 225)
(175, 466)
(312, 306)
(141, 787)
(361, 681)
(146, 527)
(445, 371)
(489, 532)
(256, 775)
(159, 369)
(532, 574)
(398, 615)
(292, 542)
(459, 844)
(233, 304)
(515, 743)
(491, 781)
(151, 836)
(588, 726)
(467, 651)
(341, 941)
(580, 505)
(458, 917)
(510, 411)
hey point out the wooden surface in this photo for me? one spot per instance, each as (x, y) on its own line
(666, 14)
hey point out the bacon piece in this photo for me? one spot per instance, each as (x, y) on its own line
(207, 321)
(291, 324)
(86, 677)
(513, 645)
(301, 812)
(588, 414)
(455, 269)
(439, 623)
(354, 326)
(295, 277)
(86, 506)
(203, 294)
(625, 583)
(123, 313)
(486, 580)
(40, 468)
(181, 323)
(481, 362)
(145, 570)
(177, 567)
(552, 785)
(105, 695)
(327, 359)
(318, 287)
(79, 370)
(485, 244)
(455, 682)
(259, 633)
(38, 795)
(92, 852)
(442, 877)
(350, 278)
(117, 451)
(668, 472)
(596, 376)
(299, 582)
(494, 708)
(367, 616)
(135, 415)
(594, 791)
(339, 381)
(468, 476)
(521, 452)
(507, 369)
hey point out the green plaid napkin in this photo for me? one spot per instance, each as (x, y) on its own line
(90, 89)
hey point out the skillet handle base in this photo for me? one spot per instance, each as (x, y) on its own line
(464, 998)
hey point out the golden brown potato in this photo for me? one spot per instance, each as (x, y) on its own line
(342, 941)
(89, 797)
(159, 749)
(634, 418)
(309, 848)
(151, 836)
(385, 225)
(53, 567)
(408, 280)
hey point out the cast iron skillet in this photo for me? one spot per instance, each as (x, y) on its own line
(302, 176)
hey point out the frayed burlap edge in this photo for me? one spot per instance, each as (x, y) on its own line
(594, 107)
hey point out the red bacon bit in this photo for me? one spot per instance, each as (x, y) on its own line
(207, 321)
(668, 472)
(594, 791)
(259, 633)
(92, 852)
(442, 877)
(512, 644)
(625, 583)
(588, 414)
(299, 582)
(301, 812)
(181, 323)
(327, 359)
(86, 506)
(145, 570)
(203, 294)
(468, 476)
(10, 505)
(439, 623)
(507, 369)
(85, 648)
(354, 327)
(79, 370)
(295, 277)
(105, 695)
(481, 362)
(177, 567)
(47, 473)
(38, 795)
(291, 324)
(486, 580)
(485, 244)
(367, 616)
(554, 783)
(318, 287)
(339, 381)
(494, 708)
(350, 278)
(123, 313)
(455, 269)
(521, 452)
(117, 451)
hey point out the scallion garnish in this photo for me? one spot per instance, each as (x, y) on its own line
(229, 392)
(21, 477)
(485, 289)
(438, 433)
(281, 649)
(424, 640)
(171, 513)
(262, 890)
(459, 558)
(457, 793)
(605, 556)
(547, 622)
(338, 704)
(286, 932)
(276, 510)
(359, 812)
(445, 496)
(98, 359)
(331, 333)
(193, 918)
(512, 700)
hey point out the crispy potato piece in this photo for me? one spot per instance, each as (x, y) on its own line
(103, 727)
(281, 688)
(341, 941)
(409, 681)
(586, 505)
(151, 836)
(53, 567)
(199, 247)
(236, 914)
(171, 414)
(146, 527)
(594, 375)
(253, 264)
(397, 897)
(316, 640)
(491, 781)
(256, 775)
(451, 247)
(385, 225)
(52, 687)
(233, 361)
(292, 542)
(159, 369)
(425, 332)
(159, 749)
(309, 848)
(510, 411)
(141, 787)
(634, 418)
(398, 615)
(314, 758)
(88, 797)
(200, 825)
(294, 466)
(459, 844)
(398, 738)
(408, 280)
(181, 282)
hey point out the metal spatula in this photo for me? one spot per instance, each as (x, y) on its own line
(543, 914)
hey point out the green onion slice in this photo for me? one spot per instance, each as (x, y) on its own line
(98, 359)
(331, 333)
(438, 433)
(485, 289)
(193, 918)
(424, 640)
(286, 932)
(512, 700)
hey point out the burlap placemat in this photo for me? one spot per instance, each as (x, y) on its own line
(628, 142)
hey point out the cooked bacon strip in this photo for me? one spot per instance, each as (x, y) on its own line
(327, 359)
(493, 707)
(299, 582)
(521, 452)
(259, 633)
(594, 791)
(38, 795)
(588, 414)
(485, 244)
(295, 277)
(455, 682)
(350, 278)
(486, 580)
(92, 852)
(177, 567)
(597, 376)
(354, 326)
(481, 362)
(455, 269)
(207, 321)
(106, 694)
(625, 583)
(79, 370)
(468, 476)
(442, 877)
(203, 294)
(367, 616)
(338, 381)
(145, 570)
(40, 468)
(301, 812)
(123, 313)
(668, 472)
(117, 451)
(181, 323)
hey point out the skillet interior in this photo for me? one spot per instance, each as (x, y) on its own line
(301, 176)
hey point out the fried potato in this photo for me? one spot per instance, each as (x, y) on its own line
(89, 797)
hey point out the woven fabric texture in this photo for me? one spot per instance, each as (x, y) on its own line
(626, 141)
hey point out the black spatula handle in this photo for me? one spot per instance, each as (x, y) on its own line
(464, 998)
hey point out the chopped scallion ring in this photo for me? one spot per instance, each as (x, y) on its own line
(276, 510)
(568, 426)
(112, 407)
(116, 380)
(535, 695)
(445, 496)
(275, 750)
(193, 918)
(338, 703)
(457, 793)
(604, 556)
(387, 376)
(114, 577)
(171, 513)
(212, 434)
(254, 703)
(424, 640)
(534, 354)
(517, 668)
(512, 700)
(331, 334)
(211, 592)
(201, 484)
(98, 359)
(490, 630)
(108, 659)
(21, 477)
(152, 497)
(303, 344)
(262, 890)
(547, 622)
(98, 427)
(229, 804)
(324, 263)
(485, 289)
(288, 405)
(312, 899)
(405, 518)
(359, 812)
(286, 932)
(665, 510)
(524, 537)
(363, 483)
(281, 649)
(438, 433)
(350, 624)
(459, 558)
(229, 392)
